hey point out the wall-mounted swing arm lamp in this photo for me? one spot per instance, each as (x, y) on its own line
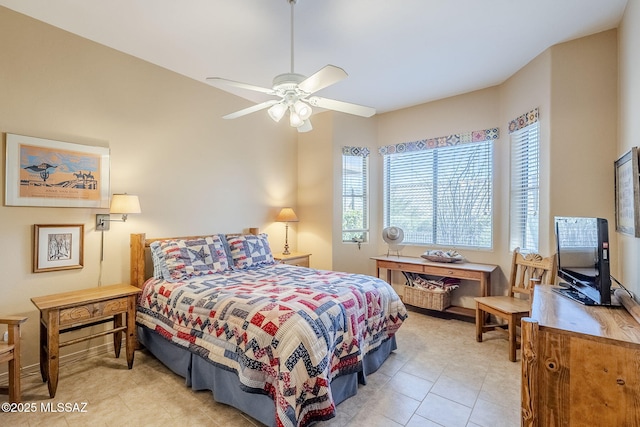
(122, 204)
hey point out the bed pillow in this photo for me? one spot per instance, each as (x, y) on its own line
(249, 251)
(157, 256)
(180, 259)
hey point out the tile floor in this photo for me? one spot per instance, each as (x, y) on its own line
(439, 376)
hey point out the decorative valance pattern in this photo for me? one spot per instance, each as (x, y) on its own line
(523, 121)
(443, 141)
(356, 151)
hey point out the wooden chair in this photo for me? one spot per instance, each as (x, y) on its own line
(10, 352)
(526, 272)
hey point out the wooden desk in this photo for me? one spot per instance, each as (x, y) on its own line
(69, 311)
(466, 270)
(579, 364)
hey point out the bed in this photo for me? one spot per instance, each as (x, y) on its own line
(282, 343)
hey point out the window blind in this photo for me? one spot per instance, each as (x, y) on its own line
(441, 196)
(525, 188)
(355, 197)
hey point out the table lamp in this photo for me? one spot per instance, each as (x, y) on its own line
(286, 215)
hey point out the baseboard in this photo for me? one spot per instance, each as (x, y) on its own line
(34, 369)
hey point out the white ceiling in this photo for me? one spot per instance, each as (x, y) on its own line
(398, 53)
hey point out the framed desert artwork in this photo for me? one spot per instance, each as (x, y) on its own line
(42, 172)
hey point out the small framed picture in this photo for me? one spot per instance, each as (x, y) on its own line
(58, 247)
(627, 190)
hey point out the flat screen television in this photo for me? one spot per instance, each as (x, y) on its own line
(583, 258)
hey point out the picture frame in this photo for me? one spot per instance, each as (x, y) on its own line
(58, 247)
(47, 173)
(627, 193)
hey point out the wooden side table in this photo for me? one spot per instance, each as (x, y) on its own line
(294, 258)
(481, 273)
(70, 311)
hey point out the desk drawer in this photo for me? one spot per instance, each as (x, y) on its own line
(452, 272)
(94, 310)
(391, 265)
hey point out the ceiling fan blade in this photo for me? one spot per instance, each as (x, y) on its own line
(252, 109)
(344, 107)
(326, 76)
(240, 85)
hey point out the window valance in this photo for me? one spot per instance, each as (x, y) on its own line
(355, 151)
(524, 120)
(442, 141)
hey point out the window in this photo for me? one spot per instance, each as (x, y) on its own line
(355, 194)
(442, 196)
(525, 188)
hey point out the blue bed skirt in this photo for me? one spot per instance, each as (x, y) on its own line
(201, 374)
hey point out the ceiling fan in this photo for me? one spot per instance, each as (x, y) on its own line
(295, 94)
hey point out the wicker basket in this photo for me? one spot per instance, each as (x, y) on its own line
(425, 298)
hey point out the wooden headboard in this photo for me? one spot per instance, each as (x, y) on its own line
(140, 255)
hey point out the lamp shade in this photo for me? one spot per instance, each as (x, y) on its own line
(305, 127)
(302, 109)
(277, 111)
(287, 215)
(124, 204)
(294, 119)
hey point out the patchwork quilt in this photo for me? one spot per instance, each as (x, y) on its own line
(286, 330)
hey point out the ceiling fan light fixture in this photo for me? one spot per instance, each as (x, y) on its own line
(276, 112)
(305, 127)
(294, 119)
(302, 109)
(294, 91)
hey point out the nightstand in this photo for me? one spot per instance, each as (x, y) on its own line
(294, 258)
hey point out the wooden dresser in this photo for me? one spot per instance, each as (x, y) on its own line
(580, 365)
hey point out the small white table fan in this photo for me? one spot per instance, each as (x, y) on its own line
(394, 237)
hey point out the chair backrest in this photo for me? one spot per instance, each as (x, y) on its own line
(11, 353)
(530, 269)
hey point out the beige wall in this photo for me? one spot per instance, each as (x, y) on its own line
(574, 86)
(577, 101)
(527, 89)
(628, 248)
(472, 111)
(315, 191)
(583, 127)
(320, 192)
(193, 171)
(359, 132)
